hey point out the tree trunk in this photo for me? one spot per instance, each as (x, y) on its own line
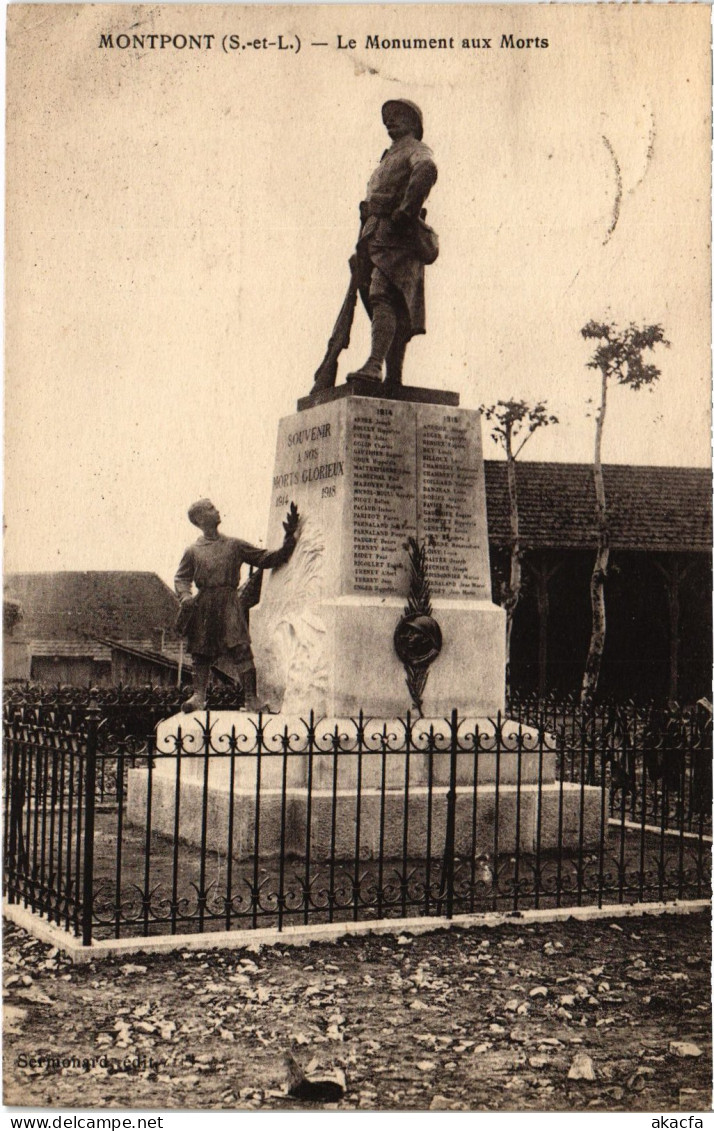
(513, 591)
(597, 635)
(593, 663)
(543, 610)
(542, 574)
(674, 634)
(674, 575)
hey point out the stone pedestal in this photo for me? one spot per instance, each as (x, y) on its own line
(320, 799)
(367, 473)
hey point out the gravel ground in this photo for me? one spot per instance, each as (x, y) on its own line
(606, 1015)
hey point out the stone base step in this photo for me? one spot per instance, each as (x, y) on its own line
(529, 817)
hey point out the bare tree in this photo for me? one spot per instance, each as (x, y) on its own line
(513, 423)
(619, 355)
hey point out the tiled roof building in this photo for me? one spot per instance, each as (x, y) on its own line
(115, 603)
(665, 509)
(91, 626)
(658, 591)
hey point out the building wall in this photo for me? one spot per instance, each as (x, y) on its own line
(135, 671)
(16, 660)
(636, 662)
(77, 671)
(84, 671)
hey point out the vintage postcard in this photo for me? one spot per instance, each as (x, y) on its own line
(357, 592)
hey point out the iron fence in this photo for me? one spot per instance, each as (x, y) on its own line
(127, 716)
(49, 825)
(241, 822)
(125, 710)
(658, 755)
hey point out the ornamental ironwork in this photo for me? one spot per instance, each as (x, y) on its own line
(375, 805)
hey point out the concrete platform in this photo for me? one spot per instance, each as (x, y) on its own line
(381, 819)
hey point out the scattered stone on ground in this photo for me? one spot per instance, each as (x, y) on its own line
(581, 1068)
(533, 1017)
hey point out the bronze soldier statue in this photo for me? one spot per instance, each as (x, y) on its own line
(214, 619)
(393, 246)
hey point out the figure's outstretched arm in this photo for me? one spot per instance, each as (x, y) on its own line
(269, 559)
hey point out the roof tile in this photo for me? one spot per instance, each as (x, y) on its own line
(95, 603)
(649, 508)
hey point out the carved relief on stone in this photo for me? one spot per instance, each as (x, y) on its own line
(295, 664)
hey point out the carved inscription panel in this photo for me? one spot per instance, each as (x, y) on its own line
(369, 473)
(384, 480)
(451, 513)
(417, 470)
(311, 470)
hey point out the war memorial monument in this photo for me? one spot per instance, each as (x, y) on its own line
(376, 634)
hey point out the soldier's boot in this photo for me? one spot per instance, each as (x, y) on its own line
(201, 672)
(249, 680)
(395, 357)
(384, 323)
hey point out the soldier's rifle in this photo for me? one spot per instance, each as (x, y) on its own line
(326, 373)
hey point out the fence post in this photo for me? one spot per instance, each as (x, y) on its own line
(15, 790)
(449, 843)
(90, 781)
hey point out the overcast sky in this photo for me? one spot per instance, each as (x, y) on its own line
(179, 224)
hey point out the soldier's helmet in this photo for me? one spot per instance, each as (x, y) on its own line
(413, 110)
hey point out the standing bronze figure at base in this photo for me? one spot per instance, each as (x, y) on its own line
(213, 619)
